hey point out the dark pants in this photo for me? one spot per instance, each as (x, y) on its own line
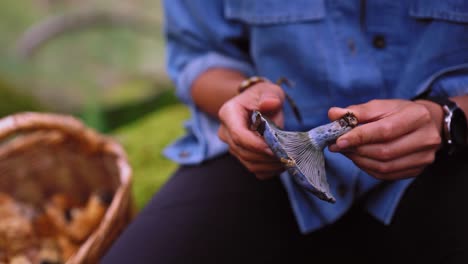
(219, 213)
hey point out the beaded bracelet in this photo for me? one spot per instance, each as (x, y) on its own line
(247, 83)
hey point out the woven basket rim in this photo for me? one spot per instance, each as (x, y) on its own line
(25, 122)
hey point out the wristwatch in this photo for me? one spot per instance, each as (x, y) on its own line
(455, 131)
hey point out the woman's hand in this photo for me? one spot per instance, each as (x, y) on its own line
(245, 144)
(396, 139)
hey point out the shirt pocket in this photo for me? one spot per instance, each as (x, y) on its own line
(271, 12)
(288, 39)
(446, 10)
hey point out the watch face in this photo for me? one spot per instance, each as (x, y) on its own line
(458, 127)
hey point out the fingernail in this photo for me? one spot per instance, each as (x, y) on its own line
(338, 108)
(333, 148)
(265, 96)
(269, 152)
(342, 144)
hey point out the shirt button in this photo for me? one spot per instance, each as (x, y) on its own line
(379, 42)
(352, 46)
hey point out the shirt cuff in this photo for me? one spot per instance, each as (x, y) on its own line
(452, 84)
(451, 81)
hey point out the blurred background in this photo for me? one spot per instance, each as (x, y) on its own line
(101, 61)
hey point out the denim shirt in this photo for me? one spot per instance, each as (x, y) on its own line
(337, 53)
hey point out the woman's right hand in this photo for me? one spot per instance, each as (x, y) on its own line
(246, 145)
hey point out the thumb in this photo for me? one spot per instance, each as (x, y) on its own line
(269, 102)
(335, 113)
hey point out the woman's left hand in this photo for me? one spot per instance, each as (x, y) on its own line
(395, 139)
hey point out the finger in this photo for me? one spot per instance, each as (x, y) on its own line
(375, 109)
(222, 134)
(259, 155)
(256, 157)
(387, 128)
(422, 139)
(412, 161)
(263, 170)
(246, 155)
(253, 157)
(269, 102)
(262, 161)
(263, 96)
(335, 113)
(235, 126)
(365, 112)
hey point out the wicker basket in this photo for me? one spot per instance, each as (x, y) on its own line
(43, 153)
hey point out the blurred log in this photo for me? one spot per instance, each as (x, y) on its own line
(55, 26)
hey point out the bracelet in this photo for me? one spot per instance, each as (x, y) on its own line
(247, 83)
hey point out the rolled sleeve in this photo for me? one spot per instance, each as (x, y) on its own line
(201, 141)
(450, 81)
(452, 84)
(200, 38)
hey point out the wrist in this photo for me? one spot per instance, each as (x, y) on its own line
(437, 114)
(454, 124)
(215, 87)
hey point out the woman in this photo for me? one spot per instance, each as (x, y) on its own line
(399, 177)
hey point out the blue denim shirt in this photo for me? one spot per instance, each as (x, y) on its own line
(337, 53)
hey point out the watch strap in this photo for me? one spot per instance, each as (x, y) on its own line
(454, 124)
(443, 101)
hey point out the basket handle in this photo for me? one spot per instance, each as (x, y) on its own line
(28, 121)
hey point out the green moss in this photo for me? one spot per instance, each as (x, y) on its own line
(144, 141)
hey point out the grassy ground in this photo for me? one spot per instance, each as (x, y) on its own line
(144, 141)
